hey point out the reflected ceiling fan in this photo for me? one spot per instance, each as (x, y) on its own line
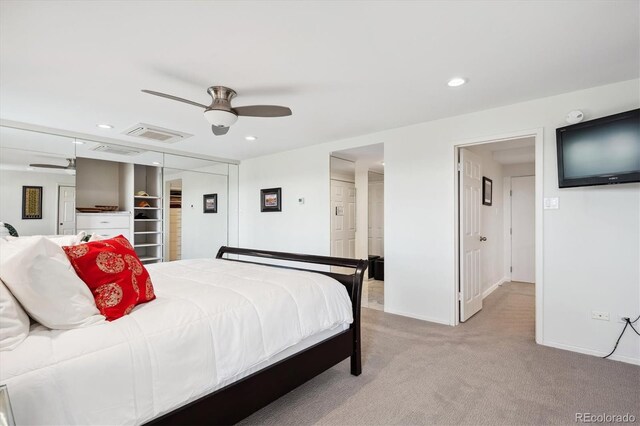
(221, 115)
(70, 166)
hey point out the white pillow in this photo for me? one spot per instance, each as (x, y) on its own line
(14, 326)
(60, 240)
(40, 276)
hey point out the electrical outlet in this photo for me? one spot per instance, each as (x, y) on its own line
(598, 315)
(621, 318)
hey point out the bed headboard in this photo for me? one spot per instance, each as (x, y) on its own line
(353, 282)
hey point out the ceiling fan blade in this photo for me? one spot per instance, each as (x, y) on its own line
(263, 111)
(219, 131)
(175, 98)
(48, 166)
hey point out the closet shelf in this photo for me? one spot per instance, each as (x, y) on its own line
(148, 208)
(147, 245)
(147, 220)
(147, 197)
(148, 259)
(147, 232)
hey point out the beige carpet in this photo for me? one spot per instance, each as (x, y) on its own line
(486, 371)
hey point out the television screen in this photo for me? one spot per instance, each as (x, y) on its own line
(600, 152)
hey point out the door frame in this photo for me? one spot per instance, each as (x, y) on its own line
(538, 135)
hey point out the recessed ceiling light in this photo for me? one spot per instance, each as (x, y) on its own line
(251, 138)
(77, 142)
(155, 163)
(105, 126)
(383, 163)
(455, 82)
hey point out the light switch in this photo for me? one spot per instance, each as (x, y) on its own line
(301, 200)
(551, 203)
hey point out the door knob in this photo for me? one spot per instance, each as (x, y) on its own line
(483, 238)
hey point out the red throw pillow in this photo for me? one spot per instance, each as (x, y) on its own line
(114, 274)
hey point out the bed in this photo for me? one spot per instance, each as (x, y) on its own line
(224, 338)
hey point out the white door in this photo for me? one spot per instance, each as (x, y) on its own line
(343, 219)
(66, 210)
(376, 218)
(523, 229)
(470, 192)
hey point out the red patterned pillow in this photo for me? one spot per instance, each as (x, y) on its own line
(114, 274)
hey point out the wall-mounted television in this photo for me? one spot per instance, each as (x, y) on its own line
(604, 151)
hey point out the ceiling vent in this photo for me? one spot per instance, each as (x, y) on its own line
(155, 133)
(118, 150)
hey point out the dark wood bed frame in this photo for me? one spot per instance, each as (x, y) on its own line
(238, 400)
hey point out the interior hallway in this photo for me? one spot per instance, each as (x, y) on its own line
(487, 371)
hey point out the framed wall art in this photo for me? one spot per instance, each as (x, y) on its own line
(271, 200)
(487, 191)
(210, 203)
(31, 202)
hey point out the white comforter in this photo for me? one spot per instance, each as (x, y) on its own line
(212, 321)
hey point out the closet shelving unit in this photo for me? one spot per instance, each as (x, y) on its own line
(147, 213)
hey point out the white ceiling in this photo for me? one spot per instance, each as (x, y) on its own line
(345, 68)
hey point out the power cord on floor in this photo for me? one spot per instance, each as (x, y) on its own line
(627, 323)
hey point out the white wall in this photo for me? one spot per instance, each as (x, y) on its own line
(343, 169)
(362, 209)
(524, 169)
(591, 244)
(11, 183)
(492, 225)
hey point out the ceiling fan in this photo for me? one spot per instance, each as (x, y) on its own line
(221, 115)
(70, 166)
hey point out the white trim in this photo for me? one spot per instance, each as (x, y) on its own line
(538, 134)
(494, 287)
(539, 235)
(416, 316)
(614, 357)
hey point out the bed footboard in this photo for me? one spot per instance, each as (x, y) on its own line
(352, 282)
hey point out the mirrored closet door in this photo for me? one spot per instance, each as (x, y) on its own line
(37, 182)
(170, 207)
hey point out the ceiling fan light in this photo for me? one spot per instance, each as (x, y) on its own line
(220, 118)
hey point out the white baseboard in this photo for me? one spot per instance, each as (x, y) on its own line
(494, 287)
(420, 317)
(627, 359)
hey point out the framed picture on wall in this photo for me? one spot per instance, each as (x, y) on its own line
(487, 191)
(210, 203)
(271, 200)
(31, 202)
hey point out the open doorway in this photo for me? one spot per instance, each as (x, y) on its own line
(174, 234)
(497, 231)
(357, 214)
